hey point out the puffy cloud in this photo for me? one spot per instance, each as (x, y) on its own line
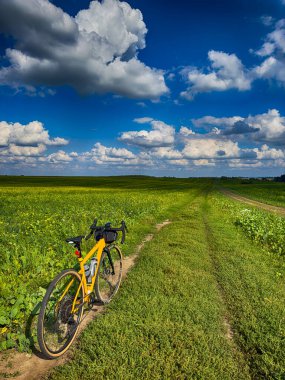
(178, 162)
(271, 68)
(17, 160)
(161, 135)
(266, 49)
(275, 41)
(26, 144)
(102, 154)
(110, 156)
(83, 52)
(200, 148)
(203, 162)
(186, 132)
(26, 150)
(167, 152)
(237, 163)
(266, 127)
(20, 141)
(23, 151)
(274, 49)
(57, 157)
(27, 134)
(248, 153)
(271, 126)
(227, 72)
(240, 127)
(266, 153)
(171, 150)
(211, 121)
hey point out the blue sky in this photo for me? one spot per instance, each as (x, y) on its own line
(185, 88)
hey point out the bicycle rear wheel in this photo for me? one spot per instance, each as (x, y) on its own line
(58, 323)
(109, 274)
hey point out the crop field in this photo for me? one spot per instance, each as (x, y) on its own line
(263, 191)
(205, 300)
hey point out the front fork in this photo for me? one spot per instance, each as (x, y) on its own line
(110, 260)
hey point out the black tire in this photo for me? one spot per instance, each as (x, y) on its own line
(107, 282)
(57, 326)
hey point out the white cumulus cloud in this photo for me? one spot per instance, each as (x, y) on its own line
(227, 72)
(266, 127)
(186, 132)
(161, 135)
(27, 134)
(273, 67)
(57, 157)
(203, 148)
(94, 52)
(211, 121)
(102, 154)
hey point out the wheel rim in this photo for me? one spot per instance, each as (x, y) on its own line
(109, 281)
(59, 322)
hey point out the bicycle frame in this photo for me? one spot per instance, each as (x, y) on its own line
(88, 288)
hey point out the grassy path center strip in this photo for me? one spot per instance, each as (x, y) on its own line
(167, 321)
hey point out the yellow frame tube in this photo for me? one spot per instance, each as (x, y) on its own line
(99, 247)
(66, 290)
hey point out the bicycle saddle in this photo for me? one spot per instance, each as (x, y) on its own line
(75, 240)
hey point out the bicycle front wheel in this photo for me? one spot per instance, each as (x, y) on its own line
(60, 313)
(109, 274)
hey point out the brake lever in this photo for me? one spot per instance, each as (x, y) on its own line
(92, 228)
(124, 225)
(94, 224)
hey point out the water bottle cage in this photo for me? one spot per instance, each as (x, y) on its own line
(90, 270)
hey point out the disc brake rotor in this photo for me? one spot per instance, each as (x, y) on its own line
(65, 309)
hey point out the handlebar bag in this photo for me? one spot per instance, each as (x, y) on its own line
(110, 236)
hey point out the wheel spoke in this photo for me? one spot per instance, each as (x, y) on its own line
(58, 322)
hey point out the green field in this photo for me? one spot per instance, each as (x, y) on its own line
(206, 299)
(264, 191)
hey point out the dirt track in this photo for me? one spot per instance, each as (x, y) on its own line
(23, 366)
(251, 202)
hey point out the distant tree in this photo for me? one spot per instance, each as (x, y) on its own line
(280, 179)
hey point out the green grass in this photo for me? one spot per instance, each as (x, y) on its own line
(171, 318)
(130, 182)
(253, 284)
(204, 301)
(35, 221)
(267, 192)
(263, 227)
(167, 321)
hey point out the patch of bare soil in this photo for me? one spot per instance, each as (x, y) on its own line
(228, 327)
(251, 202)
(23, 366)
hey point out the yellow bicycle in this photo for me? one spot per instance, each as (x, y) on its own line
(98, 278)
